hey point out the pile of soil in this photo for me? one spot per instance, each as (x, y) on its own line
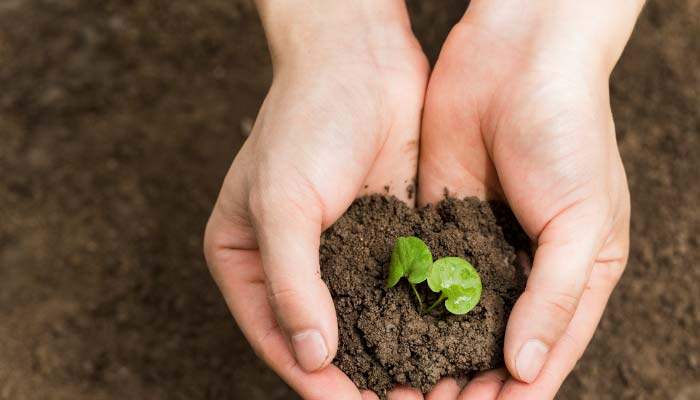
(384, 337)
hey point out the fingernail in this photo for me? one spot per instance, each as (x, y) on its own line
(310, 350)
(530, 360)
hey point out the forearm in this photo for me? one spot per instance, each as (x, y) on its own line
(594, 31)
(293, 27)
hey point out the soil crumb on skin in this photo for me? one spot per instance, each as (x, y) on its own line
(384, 339)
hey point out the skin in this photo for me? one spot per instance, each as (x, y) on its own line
(524, 118)
(517, 108)
(335, 125)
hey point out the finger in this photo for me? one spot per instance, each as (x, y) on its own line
(288, 218)
(485, 386)
(452, 152)
(405, 393)
(240, 278)
(573, 343)
(368, 395)
(566, 249)
(229, 225)
(446, 389)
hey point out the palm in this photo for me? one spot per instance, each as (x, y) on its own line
(500, 123)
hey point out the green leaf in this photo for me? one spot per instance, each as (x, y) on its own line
(461, 301)
(411, 258)
(457, 279)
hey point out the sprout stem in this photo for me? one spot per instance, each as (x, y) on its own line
(420, 301)
(438, 301)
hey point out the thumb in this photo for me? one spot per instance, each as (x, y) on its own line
(566, 250)
(288, 228)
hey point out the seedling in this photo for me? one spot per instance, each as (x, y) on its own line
(457, 282)
(412, 259)
(454, 278)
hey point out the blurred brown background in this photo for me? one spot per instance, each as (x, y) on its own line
(118, 120)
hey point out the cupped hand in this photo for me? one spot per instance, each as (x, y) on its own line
(341, 119)
(516, 116)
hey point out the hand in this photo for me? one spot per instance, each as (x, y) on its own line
(517, 108)
(341, 119)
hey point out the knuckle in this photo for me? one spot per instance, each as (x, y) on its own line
(283, 298)
(611, 272)
(211, 248)
(209, 257)
(266, 191)
(560, 305)
(576, 345)
(225, 235)
(207, 245)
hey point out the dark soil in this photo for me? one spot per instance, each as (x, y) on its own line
(384, 338)
(118, 120)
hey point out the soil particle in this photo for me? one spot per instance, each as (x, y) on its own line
(411, 189)
(384, 338)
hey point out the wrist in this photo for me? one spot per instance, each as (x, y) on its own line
(319, 30)
(571, 33)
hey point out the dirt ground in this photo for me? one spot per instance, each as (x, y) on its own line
(118, 119)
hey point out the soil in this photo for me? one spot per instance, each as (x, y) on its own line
(118, 120)
(384, 338)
